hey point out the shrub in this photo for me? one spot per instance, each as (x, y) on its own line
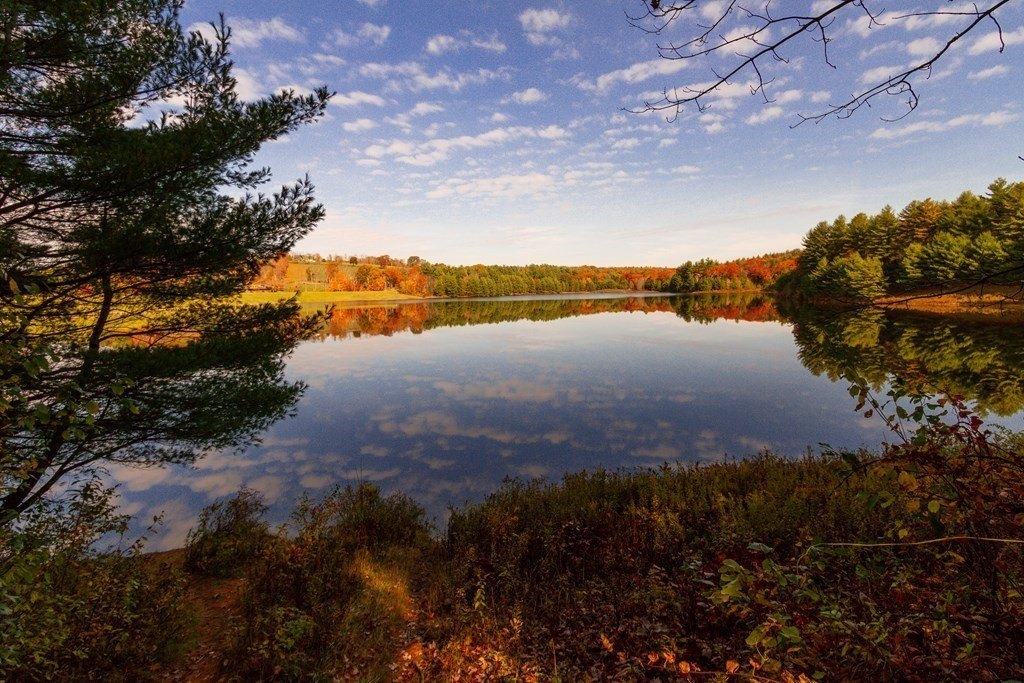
(338, 592)
(69, 612)
(230, 535)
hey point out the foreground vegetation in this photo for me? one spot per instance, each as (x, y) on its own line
(846, 567)
(899, 564)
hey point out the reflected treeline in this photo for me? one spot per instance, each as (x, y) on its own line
(417, 317)
(982, 361)
(707, 308)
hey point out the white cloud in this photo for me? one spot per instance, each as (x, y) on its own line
(996, 118)
(923, 47)
(528, 96)
(626, 143)
(820, 96)
(357, 97)
(371, 3)
(493, 44)
(543, 20)
(359, 125)
(498, 117)
(766, 114)
(950, 14)
(991, 42)
(641, 71)
(247, 87)
(251, 33)
(787, 96)
(419, 109)
(367, 34)
(439, 44)
(686, 170)
(511, 185)
(880, 74)
(539, 24)
(992, 71)
(713, 123)
(437, 150)
(414, 77)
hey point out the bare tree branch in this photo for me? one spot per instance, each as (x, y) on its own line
(749, 40)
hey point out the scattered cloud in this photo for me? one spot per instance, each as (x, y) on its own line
(924, 47)
(414, 77)
(528, 96)
(880, 74)
(996, 118)
(994, 41)
(506, 186)
(437, 150)
(367, 34)
(252, 33)
(766, 114)
(356, 98)
(637, 73)
(539, 25)
(359, 125)
(419, 109)
(991, 72)
(441, 43)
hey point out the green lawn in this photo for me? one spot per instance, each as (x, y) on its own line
(314, 297)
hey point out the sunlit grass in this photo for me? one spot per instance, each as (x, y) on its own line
(316, 297)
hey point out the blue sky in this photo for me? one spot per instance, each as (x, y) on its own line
(495, 132)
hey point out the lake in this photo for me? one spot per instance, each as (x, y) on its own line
(444, 400)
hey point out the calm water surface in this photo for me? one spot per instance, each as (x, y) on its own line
(444, 400)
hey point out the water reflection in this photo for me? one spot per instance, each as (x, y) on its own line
(979, 360)
(441, 402)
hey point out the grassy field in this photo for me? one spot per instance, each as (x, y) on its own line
(309, 297)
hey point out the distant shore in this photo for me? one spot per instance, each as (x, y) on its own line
(983, 300)
(394, 296)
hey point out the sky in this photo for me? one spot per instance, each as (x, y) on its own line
(503, 132)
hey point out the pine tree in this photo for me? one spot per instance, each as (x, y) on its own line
(123, 227)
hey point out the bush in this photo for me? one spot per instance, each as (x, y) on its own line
(230, 535)
(869, 566)
(338, 592)
(69, 612)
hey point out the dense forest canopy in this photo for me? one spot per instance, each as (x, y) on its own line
(929, 243)
(421, 278)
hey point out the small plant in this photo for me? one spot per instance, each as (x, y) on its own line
(231, 534)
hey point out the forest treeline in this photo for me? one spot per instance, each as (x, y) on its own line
(421, 278)
(929, 243)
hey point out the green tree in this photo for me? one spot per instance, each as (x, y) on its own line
(127, 224)
(850, 278)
